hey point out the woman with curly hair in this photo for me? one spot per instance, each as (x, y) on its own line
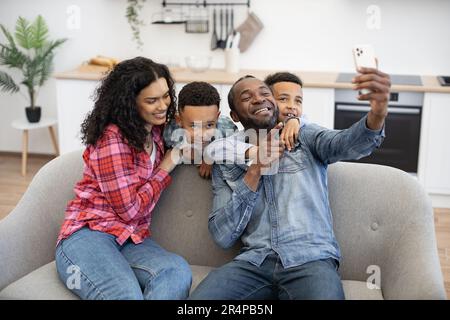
(104, 249)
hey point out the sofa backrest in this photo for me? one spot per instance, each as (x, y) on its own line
(180, 219)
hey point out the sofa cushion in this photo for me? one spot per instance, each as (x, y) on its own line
(358, 290)
(180, 220)
(198, 274)
(41, 284)
(44, 284)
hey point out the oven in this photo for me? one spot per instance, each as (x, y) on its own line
(400, 148)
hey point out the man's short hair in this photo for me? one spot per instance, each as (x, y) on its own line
(282, 77)
(198, 93)
(231, 93)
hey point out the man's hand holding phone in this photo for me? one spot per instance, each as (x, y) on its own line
(377, 85)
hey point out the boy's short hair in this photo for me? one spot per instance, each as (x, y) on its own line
(270, 80)
(198, 93)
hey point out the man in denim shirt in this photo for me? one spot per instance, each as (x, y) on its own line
(284, 220)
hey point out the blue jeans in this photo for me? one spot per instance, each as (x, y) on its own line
(94, 266)
(241, 280)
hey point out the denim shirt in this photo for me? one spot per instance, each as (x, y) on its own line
(289, 213)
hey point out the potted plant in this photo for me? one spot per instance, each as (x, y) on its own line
(31, 52)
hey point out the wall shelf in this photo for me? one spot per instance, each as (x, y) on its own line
(205, 3)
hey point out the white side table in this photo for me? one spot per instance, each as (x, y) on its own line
(23, 124)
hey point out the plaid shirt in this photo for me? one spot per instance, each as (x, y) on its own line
(119, 188)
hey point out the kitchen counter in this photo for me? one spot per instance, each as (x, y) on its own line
(219, 76)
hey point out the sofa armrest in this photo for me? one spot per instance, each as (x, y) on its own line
(28, 234)
(413, 270)
(384, 224)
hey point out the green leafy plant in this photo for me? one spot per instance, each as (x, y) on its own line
(29, 51)
(132, 15)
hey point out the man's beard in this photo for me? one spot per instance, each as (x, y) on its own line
(251, 123)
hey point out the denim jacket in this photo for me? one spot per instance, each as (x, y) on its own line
(289, 213)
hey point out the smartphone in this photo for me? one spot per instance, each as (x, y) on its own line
(364, 56)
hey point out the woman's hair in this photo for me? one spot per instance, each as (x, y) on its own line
(115, 101)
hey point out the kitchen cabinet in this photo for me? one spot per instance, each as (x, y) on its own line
(318, 106)
(434, 154)
(74, 102)
(224, 107)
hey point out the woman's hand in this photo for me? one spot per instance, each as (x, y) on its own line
(289, 134)
(171, 159)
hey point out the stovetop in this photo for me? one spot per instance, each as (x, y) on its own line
(409, 80)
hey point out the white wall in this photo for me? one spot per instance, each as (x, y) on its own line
(299, 35)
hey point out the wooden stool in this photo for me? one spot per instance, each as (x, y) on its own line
(23, 124)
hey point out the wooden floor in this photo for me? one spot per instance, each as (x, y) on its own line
(442, 226)
(13, 185)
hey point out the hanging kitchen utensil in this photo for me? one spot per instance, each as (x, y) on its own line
(197, 21)
(214, 33)
(232, 21)
(222, 41)
(249, 29)
(226, 24)
(230, 29)
(225, 30)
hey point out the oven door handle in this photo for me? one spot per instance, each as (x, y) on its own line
(343, 107)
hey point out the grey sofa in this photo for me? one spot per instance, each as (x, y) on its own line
(382, 218)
